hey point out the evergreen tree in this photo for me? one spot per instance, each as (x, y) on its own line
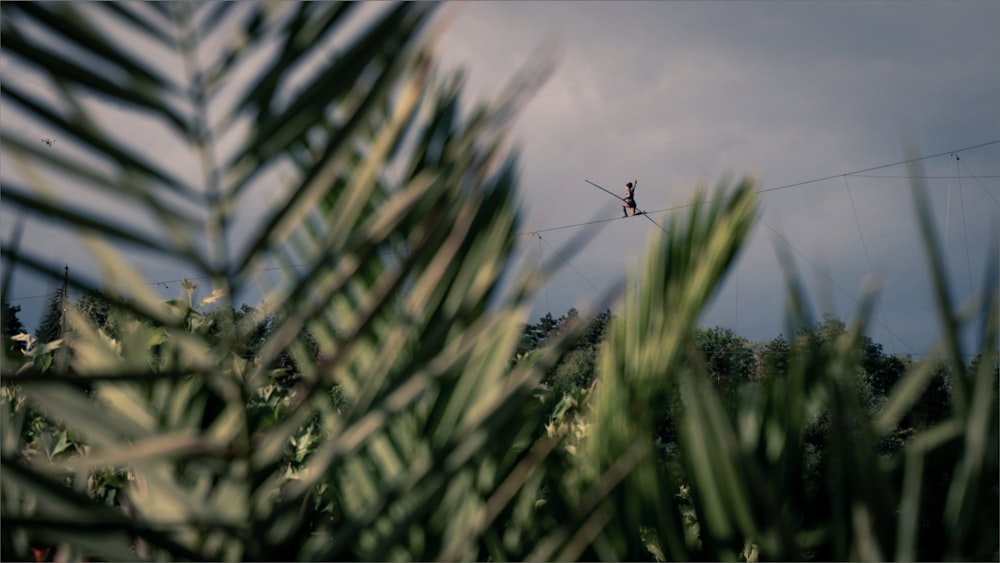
(533, 336)
(51, 326)
(597, 328)
(728, 357)
(773, 357)
(546, 325)
(934, 404)
(96, 308)
(883, 370)
(11, 327)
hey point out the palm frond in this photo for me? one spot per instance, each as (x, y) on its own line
(408, 428)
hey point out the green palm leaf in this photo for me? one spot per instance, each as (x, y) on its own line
(406, 430)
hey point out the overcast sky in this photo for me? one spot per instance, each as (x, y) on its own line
(677, 93)
(674, 93)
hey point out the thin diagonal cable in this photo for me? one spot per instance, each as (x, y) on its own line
(898, 176)
(881, 166)
(568, 263)
(976, 178)
(868, 259)
(26, 297)
(585, 223)
(828, 277)
(641, 212)
(545, 287)
(673, 208)
(776, 188)
(646, 215)
(737, 307)
(965, 227)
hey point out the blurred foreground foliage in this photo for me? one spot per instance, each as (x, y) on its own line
(386, 401)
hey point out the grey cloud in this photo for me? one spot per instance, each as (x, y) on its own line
(674, 93)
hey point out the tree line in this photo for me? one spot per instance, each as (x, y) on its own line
(732, 362)
(390, 403)
(734, 366)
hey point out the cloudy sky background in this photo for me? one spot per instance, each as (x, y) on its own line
(677, 93)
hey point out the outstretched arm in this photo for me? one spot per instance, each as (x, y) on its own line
(635, 184)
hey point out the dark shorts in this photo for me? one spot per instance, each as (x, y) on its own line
(630, 202)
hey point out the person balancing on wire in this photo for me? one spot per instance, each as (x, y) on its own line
(629, 201)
